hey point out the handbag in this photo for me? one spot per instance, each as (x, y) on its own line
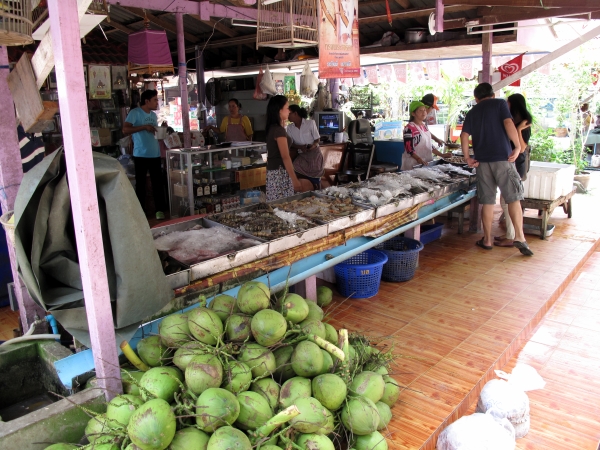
(523, 163)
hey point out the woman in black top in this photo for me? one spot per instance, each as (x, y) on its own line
(522, 119)
(281, 178)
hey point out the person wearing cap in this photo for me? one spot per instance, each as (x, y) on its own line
(430, 101)
(417, 139)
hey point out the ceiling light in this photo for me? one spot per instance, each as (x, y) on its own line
(243, 24)
(269, 2)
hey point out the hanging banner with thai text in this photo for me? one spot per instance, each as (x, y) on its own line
(400, 71)
(339, 50)
(433, 70)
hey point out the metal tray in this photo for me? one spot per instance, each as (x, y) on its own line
(340, 223)
(395, 206)
(220, 263)
(285, 242)
(179, 279)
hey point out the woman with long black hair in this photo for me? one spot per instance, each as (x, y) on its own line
(522, 119)
(281, 178)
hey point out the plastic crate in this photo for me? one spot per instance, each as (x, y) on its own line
(430, 233)
(360, 275)
(403, 256)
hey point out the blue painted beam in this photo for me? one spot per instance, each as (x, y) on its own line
(83, 362)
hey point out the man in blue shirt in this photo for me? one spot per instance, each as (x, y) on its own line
(141, 124)
(490, 124)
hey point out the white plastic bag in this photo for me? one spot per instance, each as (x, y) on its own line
(523, 377)
(309, 83)
(258, 93)
(477, 432)
(173, 141)
(507, 401)
(267, 85)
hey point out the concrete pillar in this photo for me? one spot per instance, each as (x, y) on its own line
(486, 47)
(11, 174)
(64, 27)
(182, 68)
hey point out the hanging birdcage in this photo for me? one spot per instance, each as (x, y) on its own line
(287, 23)
(15, 22)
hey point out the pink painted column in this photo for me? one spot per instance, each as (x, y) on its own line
(11, 174)
(439, 16)
(486, 48)
(307, 288)
(64, 26)
(182, 67)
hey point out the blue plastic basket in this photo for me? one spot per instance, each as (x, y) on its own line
(403, 256)
(430, 233)
(360, 275)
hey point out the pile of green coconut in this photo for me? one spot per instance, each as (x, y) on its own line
(259, 371)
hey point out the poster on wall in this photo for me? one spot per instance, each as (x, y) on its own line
(119, 77)
(339, 52)
(99, 82)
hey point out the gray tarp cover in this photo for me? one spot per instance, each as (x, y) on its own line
(47, 251)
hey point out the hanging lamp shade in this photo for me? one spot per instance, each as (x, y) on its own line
(287, 23)
(149, 52)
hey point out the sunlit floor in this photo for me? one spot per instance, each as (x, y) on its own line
(469, 311)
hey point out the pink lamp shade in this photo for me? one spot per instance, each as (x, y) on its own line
(149, 47)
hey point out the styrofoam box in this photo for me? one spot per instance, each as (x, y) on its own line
(548, 181)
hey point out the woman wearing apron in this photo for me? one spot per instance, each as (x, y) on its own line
(417, 139)
(235, 126)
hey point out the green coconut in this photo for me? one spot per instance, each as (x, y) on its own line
(391, 392)
(360, 416)
(61, 446)
(254, 411)
(237, 377)
(174, 330)
(331, 334)
(314, 311)
(293, 389)
(238, 328)
(216, 408)
(329, 426)
(307, 359)
(153, 352)
(314, 326)
(131, 380)
(229, 438)
(377, 367)
(314, 441)
(224, 306)
(327, 361)
(368, 384)
(205, 325)
(269, 389)
(106, 447)
(270, 447)
(385, 415)
(185, 353)
(203, 372)
(283, 356)
(252, 297)
(268, 327)
(293, 308)
(260, 359)
(372, 441)
(122, 407)
(161, 382)
(101, 430)
(189, 438)
(324, 296)
(152, 426)
(312, 417)
(330, 390)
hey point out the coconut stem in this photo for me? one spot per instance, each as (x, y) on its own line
(327, 346)
(132, 357)
(276, 421)
(345, 366)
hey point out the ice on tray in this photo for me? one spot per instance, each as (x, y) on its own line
(199, 244)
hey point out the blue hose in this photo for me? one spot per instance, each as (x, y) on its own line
(53, 324)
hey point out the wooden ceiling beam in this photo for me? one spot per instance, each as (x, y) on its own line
(117, 26)
(516, 17)
(527, 3)
(527, 11)
(404, 3)
(412, 14)
(159, 22)
(221, 28)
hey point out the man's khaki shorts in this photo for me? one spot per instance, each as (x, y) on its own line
(502, 175)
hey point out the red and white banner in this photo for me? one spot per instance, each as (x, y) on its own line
(510, 67)
(465, 68)
(371, 74)
(433, 70)
(400, 72)
(416, 69)
(385, 73)
(339, 51)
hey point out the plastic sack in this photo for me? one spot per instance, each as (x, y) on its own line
(478, 432)
(309, 83)
(258, 93)
(173, 141)
(507, 401)
(267, 85)
(523, 377)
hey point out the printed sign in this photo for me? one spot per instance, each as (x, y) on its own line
(339, 52)
(99, 82)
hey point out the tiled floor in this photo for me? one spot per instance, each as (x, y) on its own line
(469, 311)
